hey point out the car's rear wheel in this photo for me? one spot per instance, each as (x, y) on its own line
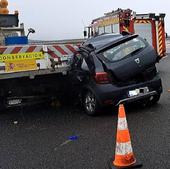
(90, 103)
(151, 100)
(154, 99)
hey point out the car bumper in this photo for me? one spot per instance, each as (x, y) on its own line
(111, 94)
(138, 97)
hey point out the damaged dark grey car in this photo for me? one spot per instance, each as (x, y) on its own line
(112, 69)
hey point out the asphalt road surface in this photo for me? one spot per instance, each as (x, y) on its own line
(38, 137)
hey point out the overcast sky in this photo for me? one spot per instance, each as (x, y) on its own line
(64, 19)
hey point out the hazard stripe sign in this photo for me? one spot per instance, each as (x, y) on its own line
(142, 21)
(160, 38)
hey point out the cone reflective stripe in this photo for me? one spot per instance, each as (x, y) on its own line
(122, 124)
(124, 156)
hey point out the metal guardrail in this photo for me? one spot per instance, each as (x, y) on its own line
(168, 38)
(66, 41)
(168, 45)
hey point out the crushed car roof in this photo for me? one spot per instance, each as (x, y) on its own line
(102, 42)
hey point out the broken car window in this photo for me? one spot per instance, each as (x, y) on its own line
(121, 51)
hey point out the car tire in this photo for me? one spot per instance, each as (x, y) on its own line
(90, 103)
(154, 99)
(151, 100)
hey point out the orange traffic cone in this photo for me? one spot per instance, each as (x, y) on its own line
(124, 157)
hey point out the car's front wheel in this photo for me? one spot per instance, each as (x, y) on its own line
(90, 103)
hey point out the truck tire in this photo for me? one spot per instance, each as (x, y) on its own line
(2, 106)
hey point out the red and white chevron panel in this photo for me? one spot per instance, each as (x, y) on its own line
(20, 49)
(60, 51)
(55, 51)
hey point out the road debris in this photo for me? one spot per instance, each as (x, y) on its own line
(66, 142)
(71, 139)
(15, 122)
(56, 104)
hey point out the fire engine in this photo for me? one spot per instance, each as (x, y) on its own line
(149, 26)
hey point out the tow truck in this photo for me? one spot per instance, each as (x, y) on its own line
(29, 73)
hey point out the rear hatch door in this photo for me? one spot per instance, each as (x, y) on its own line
(129, 58)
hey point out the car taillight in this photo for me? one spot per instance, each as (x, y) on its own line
(102, 78)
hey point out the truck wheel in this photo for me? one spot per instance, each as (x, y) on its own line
(90, 103)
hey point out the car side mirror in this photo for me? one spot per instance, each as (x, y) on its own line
(30, 30)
